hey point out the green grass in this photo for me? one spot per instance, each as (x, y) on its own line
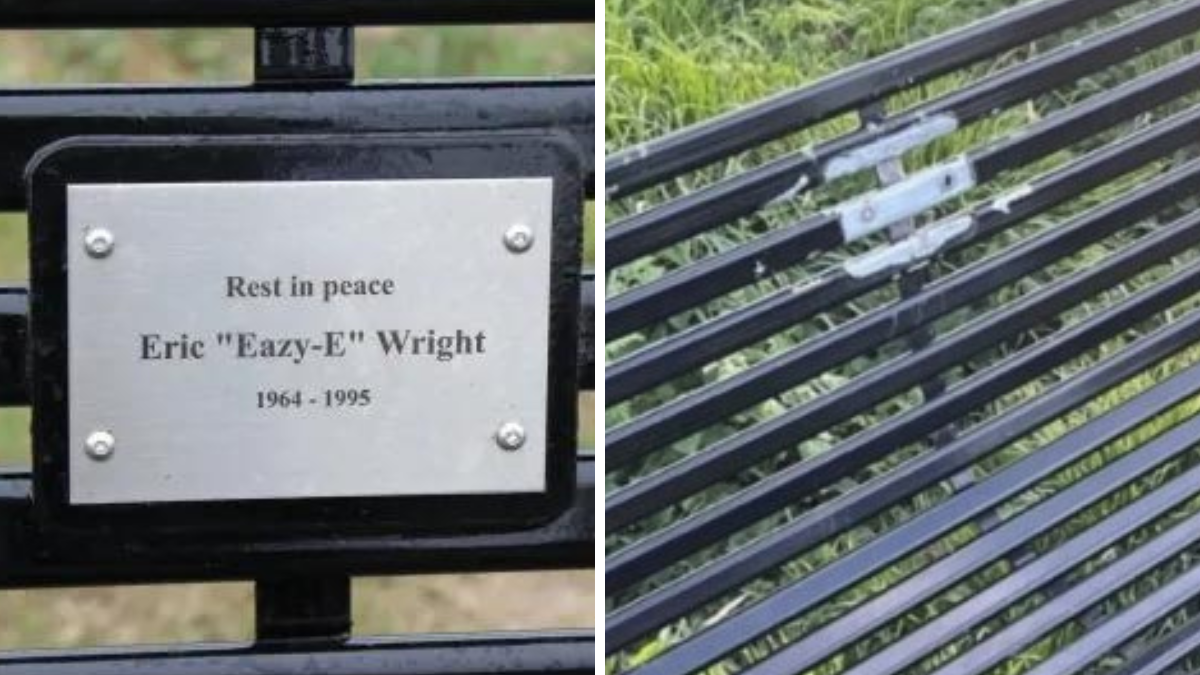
(170, 613)
(674, 63)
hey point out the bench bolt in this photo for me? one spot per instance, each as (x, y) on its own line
(100, 445)
(518, 238)
(99, 242)
(510, 436)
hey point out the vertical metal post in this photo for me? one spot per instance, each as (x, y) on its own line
(307, 609)
(14, 328)
(303, 609)
(309, 56)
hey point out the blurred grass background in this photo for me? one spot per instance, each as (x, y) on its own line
(224, 611)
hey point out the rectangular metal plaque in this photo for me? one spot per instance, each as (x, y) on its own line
(294, 340)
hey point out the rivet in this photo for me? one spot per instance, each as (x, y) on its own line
(518, 238)
(98, 242)
(100, 445)
(510, 436)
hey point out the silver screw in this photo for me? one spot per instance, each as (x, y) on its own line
(868, 213)
(510, 436)
(99, 242)
(100, 445)
(518, 238)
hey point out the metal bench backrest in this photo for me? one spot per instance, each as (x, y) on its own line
(856, 391)
(303, 53)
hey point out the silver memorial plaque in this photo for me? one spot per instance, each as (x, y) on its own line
(308, 339)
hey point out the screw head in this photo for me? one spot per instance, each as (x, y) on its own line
(100, 445)
(518, 238)
(98, 242)
(868, 213)
(510, 436)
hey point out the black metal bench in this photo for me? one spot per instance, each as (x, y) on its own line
(851, 433)
(304, 86)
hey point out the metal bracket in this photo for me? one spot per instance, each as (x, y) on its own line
(910, 245)
(309, 56)
(922, 244)
(873, 212)
(892, 146)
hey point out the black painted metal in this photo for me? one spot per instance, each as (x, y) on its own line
(633, 439)
(1044, 193)
(1163, 657)
(14, 327)
(822, 474)
(304, 72)
(33, 119)
(995, 545)
(744, 449)
(702, 586)
(565, 543)
(289, 608)
(566, 653)
(587, 331)
(253, 13)
(345, 157)
(728, 271)
(673, 294)
(760, 501)
(304, 56)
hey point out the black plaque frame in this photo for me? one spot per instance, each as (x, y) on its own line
(108, 159)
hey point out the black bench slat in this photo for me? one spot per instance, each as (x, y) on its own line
(1095, 114)
(254, 13)
(718, 274)
(1096, 643)
(756, 443)
(1166, 653)
(677, 355)
(630, 442)
(629, 565)
(561, 653)
(1069, 605)
(655, 552)
(1085, 56)
(669, 358)
(1036, 575)
(702, 210)
(747, 562)
(568, 542)
(729, 396)
(14, 310)
(32, 119)
(660, 160)
(727, 271)
(714, 643)
(587, 332)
